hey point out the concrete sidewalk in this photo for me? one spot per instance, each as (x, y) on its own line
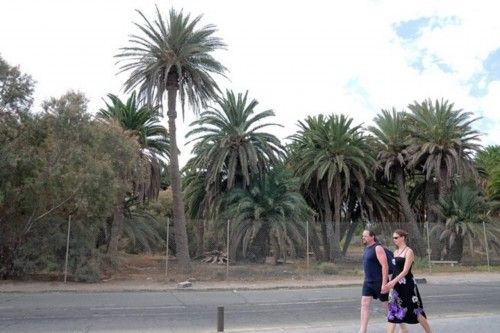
(292, 283)
(487, 322)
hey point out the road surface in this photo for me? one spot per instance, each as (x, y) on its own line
(450, 307)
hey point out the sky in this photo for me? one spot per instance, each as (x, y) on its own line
(297, 58)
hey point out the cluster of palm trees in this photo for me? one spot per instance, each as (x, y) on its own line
(333, 172)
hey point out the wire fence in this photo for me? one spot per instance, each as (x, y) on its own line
(435, 244)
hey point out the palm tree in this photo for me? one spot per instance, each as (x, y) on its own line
(143, 123)
(174, 56)
(141, 228)
(488, 161)
(464, 210)
(391, 136)
(230, 143)
(330, 152)
(229, 149)
(442, 142)
(199, 201)
(374, 203)
(271, 211)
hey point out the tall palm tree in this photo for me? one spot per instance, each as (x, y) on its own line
(229, 141)
(270, 212)
(230, 148)
(375, 203)
(329, 152)
(171, 56)
(391, 136)
(143, 122)
(442, 143)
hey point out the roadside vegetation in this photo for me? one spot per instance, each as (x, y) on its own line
(114, 173)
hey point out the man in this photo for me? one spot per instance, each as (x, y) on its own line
(376, 271)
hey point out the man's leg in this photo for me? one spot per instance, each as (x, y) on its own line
(365, 313)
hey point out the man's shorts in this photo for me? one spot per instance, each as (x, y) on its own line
(373, 289)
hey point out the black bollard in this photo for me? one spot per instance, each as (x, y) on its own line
(220, 319)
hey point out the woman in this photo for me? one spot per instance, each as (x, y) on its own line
(405, 303)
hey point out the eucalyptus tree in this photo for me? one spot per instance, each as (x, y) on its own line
(168, 57)
(143, 123)
(391, 135)
(271, 211)
(55, 164)
(327, 153)
(16, 89)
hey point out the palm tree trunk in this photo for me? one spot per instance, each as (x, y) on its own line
(261, 245)
(328, 221)
(200, 248)
(456, 249)
(348, 238)
(418, 242)
(337, 254)
(437, 225)
(314, 243)
(430, 200)
(437, 245)
(181, 240)
(116, 228)
(443, 183)
(324, 238)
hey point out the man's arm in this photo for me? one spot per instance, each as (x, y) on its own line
(382, 259)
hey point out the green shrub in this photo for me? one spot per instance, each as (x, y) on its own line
(87, 271)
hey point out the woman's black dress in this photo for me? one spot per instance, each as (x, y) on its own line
(405, 303)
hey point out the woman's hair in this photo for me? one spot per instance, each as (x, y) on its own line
(402, 233)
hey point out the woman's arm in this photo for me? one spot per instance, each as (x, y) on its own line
(409, 257)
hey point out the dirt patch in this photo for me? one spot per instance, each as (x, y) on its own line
(150, 267)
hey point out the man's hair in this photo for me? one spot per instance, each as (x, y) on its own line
(372, 234)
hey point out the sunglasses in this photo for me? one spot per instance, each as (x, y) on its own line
(396, 237)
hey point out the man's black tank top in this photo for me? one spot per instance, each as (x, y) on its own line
(372, 268)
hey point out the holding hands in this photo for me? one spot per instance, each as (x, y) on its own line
(388, 286)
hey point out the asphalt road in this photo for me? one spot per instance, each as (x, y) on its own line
(450, 307)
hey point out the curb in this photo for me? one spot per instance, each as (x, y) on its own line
(188, 289)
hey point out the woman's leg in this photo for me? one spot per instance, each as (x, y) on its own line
(403, 328)
(391, 327)
(425, 324)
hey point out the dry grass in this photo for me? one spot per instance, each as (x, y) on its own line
(151, 267)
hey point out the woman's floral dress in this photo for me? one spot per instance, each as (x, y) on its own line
(405, 303)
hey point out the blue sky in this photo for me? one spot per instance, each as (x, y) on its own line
(297, 58)
(411, 32)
